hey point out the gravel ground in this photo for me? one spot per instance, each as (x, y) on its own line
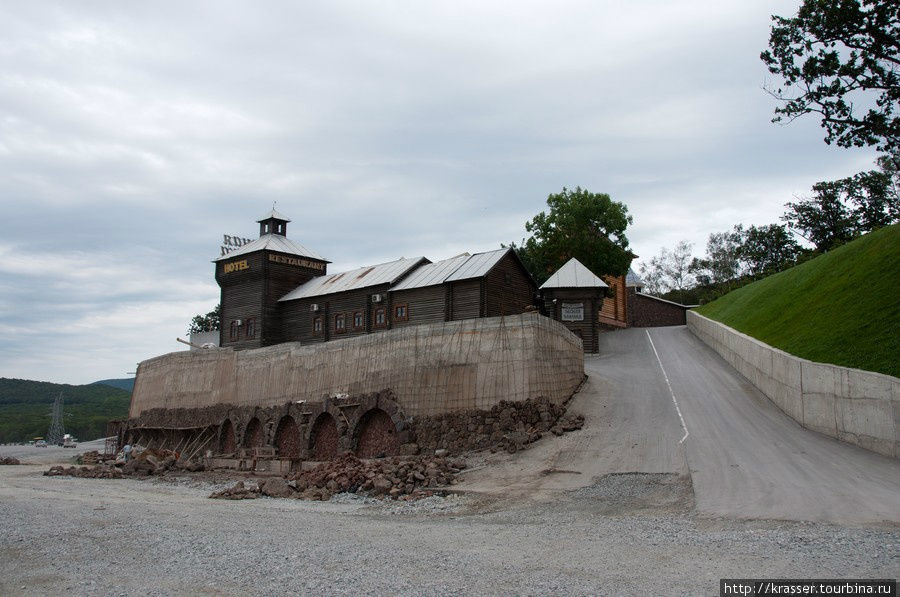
(623, 535)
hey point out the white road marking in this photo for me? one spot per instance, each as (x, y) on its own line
(677, 409)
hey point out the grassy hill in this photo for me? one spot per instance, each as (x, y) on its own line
(842, 307)
(26, 407)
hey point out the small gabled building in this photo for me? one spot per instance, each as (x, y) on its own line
(255, 276)
(573, 296)
(344, 304)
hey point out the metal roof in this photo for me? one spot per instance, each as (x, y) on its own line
(432, 273)
(274, 242)
(632, 279)
(273, 214)
(574, 275)
(477, 265)
(363, 277)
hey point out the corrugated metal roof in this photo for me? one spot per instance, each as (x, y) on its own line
(274, 214)
(274, 242)
(574, 275)
(477, 265)
(373, 275)
(432, 273)
(632, 279)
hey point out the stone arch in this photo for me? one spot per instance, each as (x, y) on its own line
(254, 436)
(376, 435)
(227, 441)
(323, 438)
(287, 438)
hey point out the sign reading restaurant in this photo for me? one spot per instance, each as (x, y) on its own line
(296, 261)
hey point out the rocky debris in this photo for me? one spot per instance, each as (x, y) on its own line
(276, 487)
(93, 472)
(9, 460)
(158, 461)
(239, 491)
(398, 477)
(90, 457)
(508, 425)
(568, 423)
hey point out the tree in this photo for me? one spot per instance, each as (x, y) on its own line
(587, 226)
(841, 210)
(839, 59)
(669, 271)
(722, 261)
(206, 323)
(766, 250)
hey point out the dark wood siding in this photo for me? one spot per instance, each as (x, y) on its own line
(281, 279)
(508, 288)
(424, 305)
(587, 329)
(242, 294)
(465, 299)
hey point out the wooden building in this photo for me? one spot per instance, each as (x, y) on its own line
(345, 304)
(254, 277)
(574, 296)
(275, 290)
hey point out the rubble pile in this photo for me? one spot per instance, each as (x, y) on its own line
(93, 472)
(508, 425)
(397, 478)
(9, 460)
(158, 461)
(89, 457)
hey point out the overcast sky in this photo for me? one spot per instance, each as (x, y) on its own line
(134, 135)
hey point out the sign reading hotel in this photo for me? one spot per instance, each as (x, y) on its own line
(235, 266)
(572, 312)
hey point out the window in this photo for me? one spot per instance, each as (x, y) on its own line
(317, 326)
(358, 321)
(235, 330)
(401, 313)
(380, 317)
(250, 329)
(340, 323)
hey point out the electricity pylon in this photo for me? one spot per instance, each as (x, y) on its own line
(56, 431)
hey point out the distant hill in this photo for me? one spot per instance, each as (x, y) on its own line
(126, 384)
(841, 307)
(26, 406)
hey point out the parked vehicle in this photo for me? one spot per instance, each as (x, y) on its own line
(69, 441)
(40, 444)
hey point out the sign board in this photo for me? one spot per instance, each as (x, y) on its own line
(231, 243)
(572, 312)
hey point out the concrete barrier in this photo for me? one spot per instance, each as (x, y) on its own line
(432, 369)
(855, 406)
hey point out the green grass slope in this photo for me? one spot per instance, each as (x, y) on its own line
(841, 308)
(26, 407)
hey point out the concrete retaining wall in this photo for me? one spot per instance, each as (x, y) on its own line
(859, 407)
(432, 369)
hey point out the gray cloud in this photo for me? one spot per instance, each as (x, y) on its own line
(133, 136)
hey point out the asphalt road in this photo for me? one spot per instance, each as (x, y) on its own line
(745, 457)
(750, 460)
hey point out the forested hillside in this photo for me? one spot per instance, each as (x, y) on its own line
(26, 407)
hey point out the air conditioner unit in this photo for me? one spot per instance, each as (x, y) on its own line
(238, 322)
(377, 298)
(314, 307)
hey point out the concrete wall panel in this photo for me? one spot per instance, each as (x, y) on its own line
(432, 369)
(859, 407)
